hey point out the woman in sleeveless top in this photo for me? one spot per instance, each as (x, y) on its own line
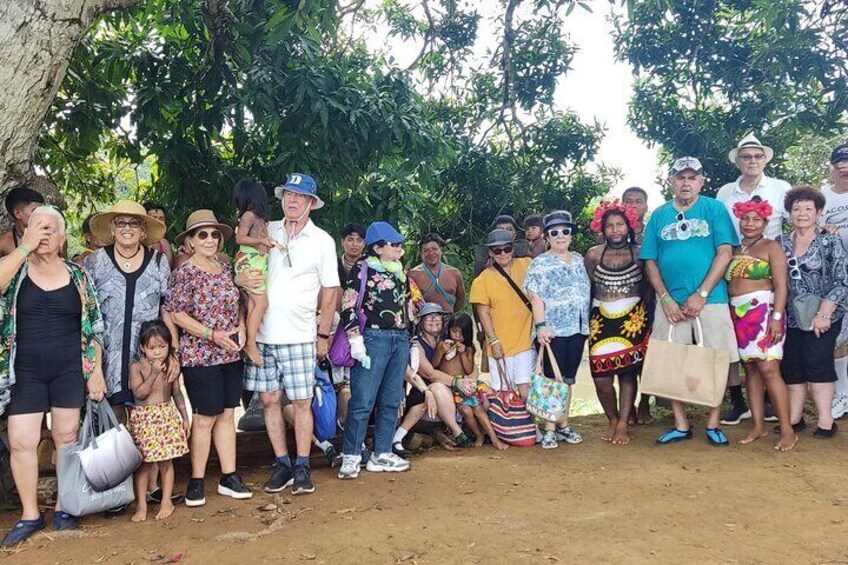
(619, 327)
(757, 277)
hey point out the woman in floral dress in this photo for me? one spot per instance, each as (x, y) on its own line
(619, 327)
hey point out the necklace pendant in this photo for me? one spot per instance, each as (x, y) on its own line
(126, 265)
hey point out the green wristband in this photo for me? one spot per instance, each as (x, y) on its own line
(24, 249)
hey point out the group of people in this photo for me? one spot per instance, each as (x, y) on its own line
(760, 271)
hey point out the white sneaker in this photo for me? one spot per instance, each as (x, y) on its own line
(388, 462)
(840, 406)
(350, 467)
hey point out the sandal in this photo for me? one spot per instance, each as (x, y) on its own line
(674, 435)
(462, 440)
(717, 437)
(22, 530)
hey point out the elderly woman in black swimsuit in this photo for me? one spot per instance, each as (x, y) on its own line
(50, 352)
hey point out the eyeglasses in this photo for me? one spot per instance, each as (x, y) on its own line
(794, 268)
(202, 235)
(757, 157)
(121, 224)
(559, 232)
(501, 250)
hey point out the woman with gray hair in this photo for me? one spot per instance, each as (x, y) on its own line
(48, 305)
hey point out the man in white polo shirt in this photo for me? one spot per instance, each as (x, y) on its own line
(835, 220)
(751, 157)
(302, 265)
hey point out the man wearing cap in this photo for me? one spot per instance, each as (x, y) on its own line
(439, 283)
(302, 265)
(687, 246)
(521, 248)
(835, 220)
(751, 157)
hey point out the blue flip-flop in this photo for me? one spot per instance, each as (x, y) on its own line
(717, 438)
(674, 435)
(22, 530)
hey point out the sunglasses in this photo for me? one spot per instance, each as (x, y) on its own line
(559, 232)
(501, 250)
(794, 268)
(121, 224)
(202, 235)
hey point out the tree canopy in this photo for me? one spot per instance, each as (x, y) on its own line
(204, 92)
(711, 71)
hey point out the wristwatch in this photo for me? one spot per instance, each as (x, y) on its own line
(703, 293)
(776, 315)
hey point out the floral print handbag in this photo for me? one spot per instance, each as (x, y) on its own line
(548, 398)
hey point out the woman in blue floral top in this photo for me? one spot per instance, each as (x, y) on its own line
(381, 348)
(50, 352)
(559, 291)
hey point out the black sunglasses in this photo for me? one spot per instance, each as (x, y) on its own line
(202, 235)
(501, 250)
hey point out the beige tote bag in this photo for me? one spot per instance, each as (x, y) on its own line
(693, 374)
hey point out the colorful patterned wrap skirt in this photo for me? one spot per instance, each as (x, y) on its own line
(618, 337)
(751, 313)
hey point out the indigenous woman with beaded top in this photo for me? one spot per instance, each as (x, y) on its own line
(618, 328)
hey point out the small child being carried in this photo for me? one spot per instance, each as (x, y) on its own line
(159, 422)
(251, 201)
(455, 356)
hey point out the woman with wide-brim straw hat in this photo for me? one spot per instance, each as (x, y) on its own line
(131, 281)
(204, 304)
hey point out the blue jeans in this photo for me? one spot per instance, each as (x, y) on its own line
(382, 385)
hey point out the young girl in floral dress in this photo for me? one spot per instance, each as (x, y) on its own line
(159, 422)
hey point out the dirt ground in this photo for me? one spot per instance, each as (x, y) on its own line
(591, 503)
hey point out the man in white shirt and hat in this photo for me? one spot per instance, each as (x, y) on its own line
(835, 220)
(751, 157)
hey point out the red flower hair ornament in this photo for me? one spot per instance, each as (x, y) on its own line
(762, 208)
(606, 206)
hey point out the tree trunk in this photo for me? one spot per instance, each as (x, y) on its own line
(37, 40)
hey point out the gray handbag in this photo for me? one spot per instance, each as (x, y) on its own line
(77, 495)
(805, 308)
(110, 454)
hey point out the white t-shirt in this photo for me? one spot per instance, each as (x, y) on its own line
(835, 212)
(294, 280)
(772, 190)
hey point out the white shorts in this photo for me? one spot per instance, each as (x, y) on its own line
(518, 369)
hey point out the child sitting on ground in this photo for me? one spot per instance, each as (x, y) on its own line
(159, 431)
(455, 356)
(251, 201)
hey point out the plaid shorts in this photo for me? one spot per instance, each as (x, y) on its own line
(288, 367)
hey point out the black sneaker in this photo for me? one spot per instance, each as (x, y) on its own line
(737, 412)
(821, 433)
(281, 477)
(231, 485)
(194, 493)
(302, 481)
